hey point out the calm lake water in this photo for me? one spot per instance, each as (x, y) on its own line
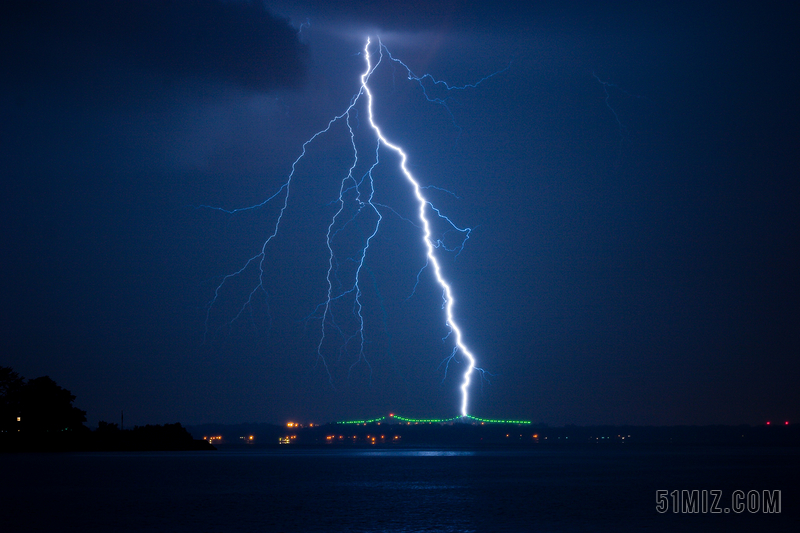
(543, 489)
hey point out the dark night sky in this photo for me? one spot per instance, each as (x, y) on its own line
(632, 271)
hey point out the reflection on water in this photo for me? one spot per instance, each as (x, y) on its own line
(549, 489)
(401, 485)
(412, 453)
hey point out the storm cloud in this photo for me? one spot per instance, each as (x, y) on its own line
(238, 43)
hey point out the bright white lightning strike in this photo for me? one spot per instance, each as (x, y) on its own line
(352, 195)
(423, 203)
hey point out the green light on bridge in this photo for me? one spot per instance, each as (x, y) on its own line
(434, 420)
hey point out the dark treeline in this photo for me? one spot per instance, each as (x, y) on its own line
(150, 437)
(39, 415)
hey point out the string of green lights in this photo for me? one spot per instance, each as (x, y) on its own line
(425, 420)
(492, 421)
(359, 422)
(433, 420)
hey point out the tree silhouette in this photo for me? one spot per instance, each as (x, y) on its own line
(47, 408)
(10, 386)
(107, 427)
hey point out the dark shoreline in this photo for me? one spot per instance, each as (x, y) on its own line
(392, 435)
(455, 436)
(169, 437)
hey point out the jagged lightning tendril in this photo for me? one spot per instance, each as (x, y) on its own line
(355, 204)
(607, 85)
(440, 83)
(623, 130)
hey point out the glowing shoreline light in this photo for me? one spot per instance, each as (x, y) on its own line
(363, 189)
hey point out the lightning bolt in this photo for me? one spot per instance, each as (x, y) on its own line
(355, 204)
(427, 239)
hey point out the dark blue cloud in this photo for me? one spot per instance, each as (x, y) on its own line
(239, 43)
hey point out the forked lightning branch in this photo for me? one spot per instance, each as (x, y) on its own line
(355, 203)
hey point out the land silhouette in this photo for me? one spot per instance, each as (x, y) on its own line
(473, 434)
(38, 415)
